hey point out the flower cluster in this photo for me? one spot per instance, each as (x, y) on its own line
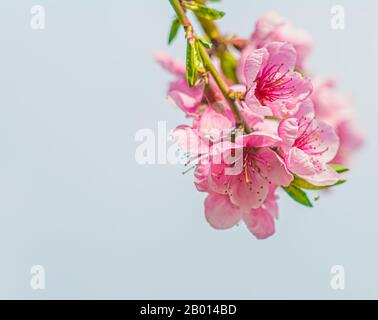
(274, 127)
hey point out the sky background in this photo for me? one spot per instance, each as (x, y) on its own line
(73, 198)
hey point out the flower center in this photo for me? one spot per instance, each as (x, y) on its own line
(273, 84)
(309, 141)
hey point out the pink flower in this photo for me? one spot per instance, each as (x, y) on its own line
(193, 101)
(337, 110)
(209, 128)
(351, 140)
(272, 27)
(273, 87)
(247, 170)
(309, 145)
(242, 170)
(187, 99)
(222, 214)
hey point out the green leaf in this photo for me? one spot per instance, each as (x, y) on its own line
(338, 168)
(198, 59)
(194, 63)
(298, 195)
(205, 12)
(191, 70)
(174, 30)
(303, 184)
(206, 44)
(228, 65)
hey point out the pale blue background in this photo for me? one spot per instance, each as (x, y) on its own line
(73, 199)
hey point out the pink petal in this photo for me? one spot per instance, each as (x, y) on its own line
(253, 65)
(300, 39)
(171, 65)
(189, 141)
(311, 169)
(253, 115)
(248, 194)
(218, 180)
(201, 177)
(282, 54)
(187, 99)
(254, 104)
(327, 177)
(273, 168)
(213, 125)
(220, 212)
(288, 132)
(260, 222)
(303, 87)
(300, 163)
(267, 25)
(258, 139)
(327, 144)
(306, 111)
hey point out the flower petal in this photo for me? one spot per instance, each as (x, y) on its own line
(303, 87)
(213, 125)
(171, 65)
(326, 145)
(300, 163)
(253, 65)
(327, 177)
(311, 169)
(248, 193)
(254, 104)
(288, 132)
(220, 212)
(201, 176)
(189, 141)
(187, 99)
(273, 168)
(260, 222)
(258, 139)
(282, 54)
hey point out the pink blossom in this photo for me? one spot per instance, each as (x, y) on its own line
(222, 214)
(309, 145)
(193, 101)
(337, 110)
(247, 177)
(187, 99)
(209, 128)
(243, 169)
(272, 27)
(273, 87)
(294, 130)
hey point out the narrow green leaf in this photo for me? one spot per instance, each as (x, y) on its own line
(174, 30)
(205, 12)
(191, 69)
(338, 168)
(298, 195)
(303, 184)
(198, 59)
(340, 182)
(229, 65)
(194, 63)
(206, 44)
